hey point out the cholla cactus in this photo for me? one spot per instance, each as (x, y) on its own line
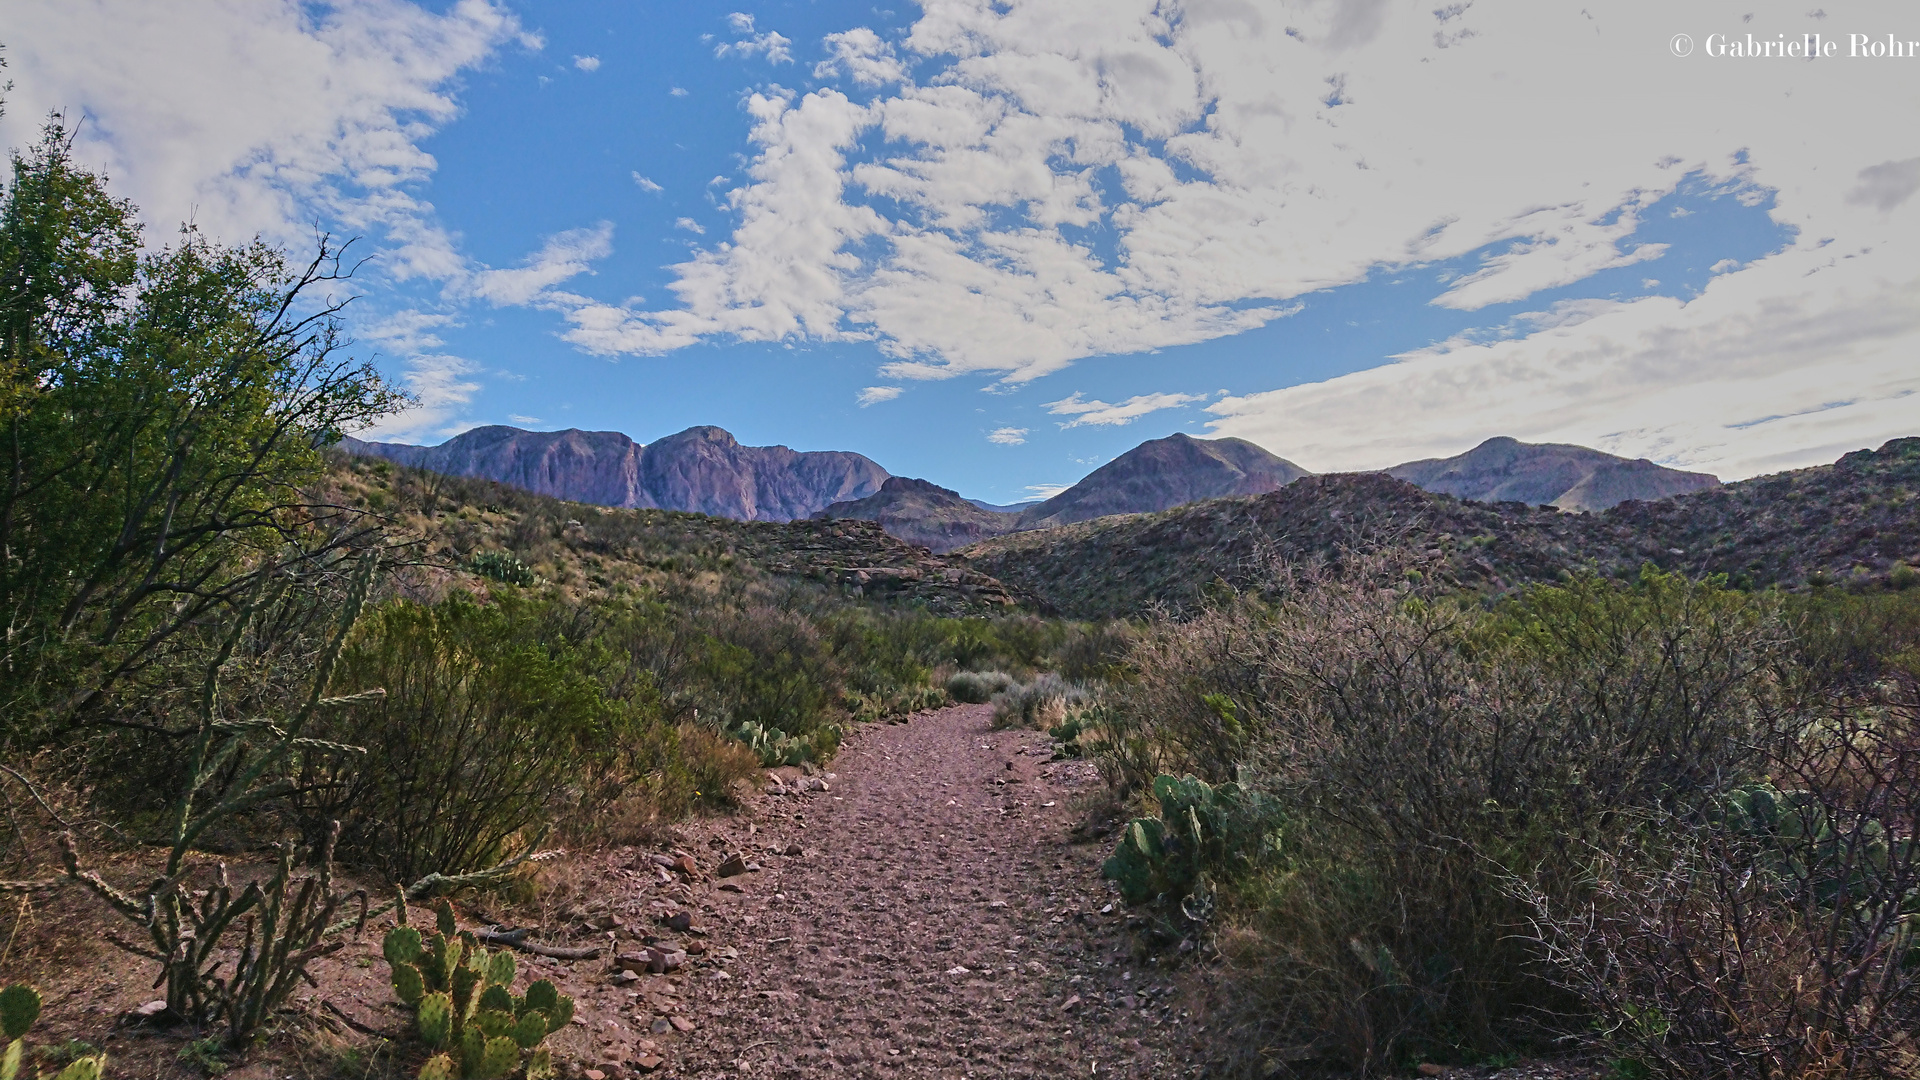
(464, 1005)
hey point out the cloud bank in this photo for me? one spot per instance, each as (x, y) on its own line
(1013, 187)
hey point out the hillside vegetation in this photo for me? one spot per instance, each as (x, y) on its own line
(1854, 520)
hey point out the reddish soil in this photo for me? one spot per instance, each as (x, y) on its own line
(936, 922)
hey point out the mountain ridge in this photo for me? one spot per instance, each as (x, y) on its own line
(703, 469)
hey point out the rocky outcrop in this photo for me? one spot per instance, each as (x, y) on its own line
(1161, 474)
(701, 469)
(923, 513)
(1548, 474)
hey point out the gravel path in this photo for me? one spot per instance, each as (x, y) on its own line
(938, 923)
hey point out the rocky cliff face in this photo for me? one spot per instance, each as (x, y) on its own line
(701, 469)
(1164, 473)
(923, 513)
(1548, 474)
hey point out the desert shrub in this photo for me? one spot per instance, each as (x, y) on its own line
(1095, 652)
(1770, 933)
(977, 687)
(771, 668)
(1407, 756)
(487, 729)
(1039, 703)
(503, 567)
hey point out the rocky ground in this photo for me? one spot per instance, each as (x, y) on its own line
(922, 911)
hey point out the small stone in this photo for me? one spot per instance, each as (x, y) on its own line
(650, 1062)
(996, 903)
(661, 1026)
(594, 1074)
(679, 920)
(730, 886)
(662, 860)
(1428, 1068)
(753, 868)
(686, 865)
(1108, 910)
(696, 948)
(733, 867)
(633, 961)
(150, 1009)
(958, 970)
(625, 977)
(793, 851)
(1068, 1005)
(680, 1024)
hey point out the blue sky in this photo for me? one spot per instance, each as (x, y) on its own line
(995, 245)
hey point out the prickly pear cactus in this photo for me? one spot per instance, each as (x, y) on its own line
(19, 1008)
(1169, 856)
(463, 1001)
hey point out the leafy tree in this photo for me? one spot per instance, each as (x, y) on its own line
(160, 411)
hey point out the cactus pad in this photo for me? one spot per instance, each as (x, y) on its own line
(443, 919)
(408, 986)
(530, 1029)
(500, 968)
(10, 1063)
(435, 1013)
(542, 995)
(439, 1067)
(540, 1065)
(499, 1057)
(19, 1008)
(497, 999)
(401, 945)
(84, 1068)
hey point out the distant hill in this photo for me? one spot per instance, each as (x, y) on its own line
(701, 469)
(1548, 474)
(1164, 473)
(1850, 521)
(923, 513)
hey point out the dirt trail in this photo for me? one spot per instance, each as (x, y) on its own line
(937, 924)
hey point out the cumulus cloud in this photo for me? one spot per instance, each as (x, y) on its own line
(1020, 186)
(441, 384)
(772, 45)
(587, 63)
(258, 118)
(863, 56)
(565, 255)
(1106, 413)
(874, 395)
(1007, 436)
(646, 184)
(689, 225)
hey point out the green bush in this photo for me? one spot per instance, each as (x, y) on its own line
(503, 567)
(488, 729)
(464, 1006)
(977, 687)
(1409, 757)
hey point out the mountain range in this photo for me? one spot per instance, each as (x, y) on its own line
(702, 469)
(706, 470)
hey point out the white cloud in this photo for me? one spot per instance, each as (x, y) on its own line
(646, 184)
(1232, 156)
(678, 91)
(1007, 436)
(1790, 362)
(770, 44)
(587, 63)
(874, 395)
(523, 421)
(689, 225)
(256, 118)
(565, 255)
(1126, 412)
(863, 55)
(1042, 492)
